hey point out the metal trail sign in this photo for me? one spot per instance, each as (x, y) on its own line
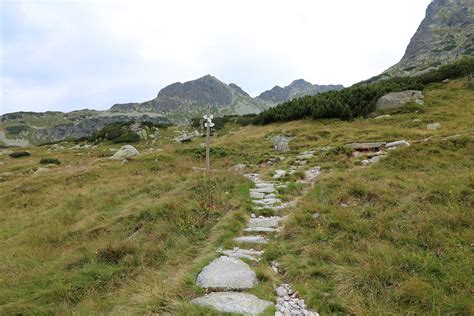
(208, 124)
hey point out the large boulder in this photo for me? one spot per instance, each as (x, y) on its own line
(395, 100)
(280, 143)
(127, 151)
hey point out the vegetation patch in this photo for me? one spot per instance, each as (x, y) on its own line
(47, 161)
(19, 154)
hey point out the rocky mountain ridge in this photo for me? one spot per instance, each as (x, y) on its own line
(176, 103)
(297, 88)
(445, 34)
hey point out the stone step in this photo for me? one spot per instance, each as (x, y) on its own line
(263, 190)
(234, 302)
(227, 273)
(251, 239)
(267, 201)
(242, 253)
(265, 221)
(260, 229)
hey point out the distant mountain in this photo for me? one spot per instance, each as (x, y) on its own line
(175, 103)
(297, 88)
(185, 100)
(445, 34)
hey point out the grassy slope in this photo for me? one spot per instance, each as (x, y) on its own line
(403, 244)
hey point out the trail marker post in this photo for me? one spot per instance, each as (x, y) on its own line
(208, 124)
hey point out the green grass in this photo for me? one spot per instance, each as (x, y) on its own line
(94, 236)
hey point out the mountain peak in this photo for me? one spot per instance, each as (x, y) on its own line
(297, 88)
(445, 34)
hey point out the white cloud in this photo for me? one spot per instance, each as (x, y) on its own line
(96, 53)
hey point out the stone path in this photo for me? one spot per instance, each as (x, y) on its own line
(229, 273)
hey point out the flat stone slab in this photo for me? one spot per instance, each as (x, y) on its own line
(251, 239)
(227, 273)
(265, 222)
(233, 302)
(267, 201)
(263, 184)
(260, 229)
(256, 195)
(242, 253)
(268, 189)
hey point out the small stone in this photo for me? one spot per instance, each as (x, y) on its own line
(433, 126)
(252, 215)
(397, 144)
(316, 215)
(227, 273)
(234, 302)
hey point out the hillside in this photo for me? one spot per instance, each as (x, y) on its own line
(445, 34)
(132, 237)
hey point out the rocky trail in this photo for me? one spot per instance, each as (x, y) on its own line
(228, 277)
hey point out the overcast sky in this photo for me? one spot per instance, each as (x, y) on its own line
(67, 55)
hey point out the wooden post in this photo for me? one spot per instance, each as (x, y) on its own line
(208, 133)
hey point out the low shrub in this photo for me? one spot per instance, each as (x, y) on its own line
(19, 154)
(47, 161)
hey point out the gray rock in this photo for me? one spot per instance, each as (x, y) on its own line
(398, 143)
(281, 291)
(280, 143)
(41, 170)
(251, 239)
(397, 99)
(433, 126)
(279, 174)
(127, 151)
(234, 302)
(227, 273)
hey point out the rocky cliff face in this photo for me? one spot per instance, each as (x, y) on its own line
(297, 88)
(445, 34)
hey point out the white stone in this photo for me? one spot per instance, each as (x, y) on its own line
(256, 195)
(433, 126)
(227, 273)
(265, 222)
(242, 253)
(260, 229)
(279, 174)
(234, 302)
(127, 151)
(397, 143)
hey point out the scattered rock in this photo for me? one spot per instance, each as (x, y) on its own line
(265, 221)
(416, 120)
(234, 302)
(398, 99)
(280, 143)
(397, 143)
(127, 151)
(279, 174)
(381, 117)
(366, 146)
(227, 273)
(316, 215)
(433, 126)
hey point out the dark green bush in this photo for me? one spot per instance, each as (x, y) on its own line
(19, 154)
(47, 161)
(127, 138)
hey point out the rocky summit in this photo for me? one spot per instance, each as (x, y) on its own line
(297, 88)
(445, 34)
